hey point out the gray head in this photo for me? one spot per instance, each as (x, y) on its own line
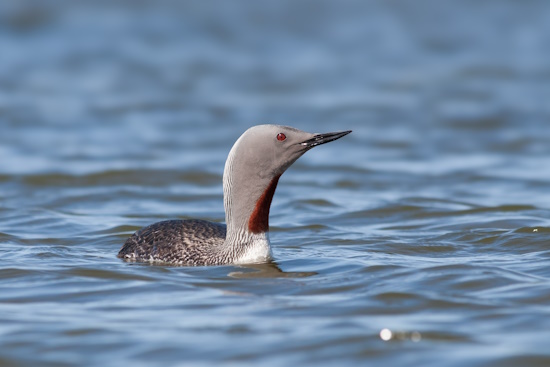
(255, 163)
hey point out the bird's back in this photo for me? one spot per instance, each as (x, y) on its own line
(183, 242)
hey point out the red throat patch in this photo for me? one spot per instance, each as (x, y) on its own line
(259, 220)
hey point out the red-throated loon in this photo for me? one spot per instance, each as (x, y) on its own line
(255, 163)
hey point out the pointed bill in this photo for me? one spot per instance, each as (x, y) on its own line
(319, 139)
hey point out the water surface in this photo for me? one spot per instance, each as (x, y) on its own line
(431, 220)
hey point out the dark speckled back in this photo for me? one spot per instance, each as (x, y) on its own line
(184, 242)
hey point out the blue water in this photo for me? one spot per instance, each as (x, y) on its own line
(422, 238)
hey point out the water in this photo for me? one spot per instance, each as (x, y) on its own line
(431, 220)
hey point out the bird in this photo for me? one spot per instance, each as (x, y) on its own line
(252, 170)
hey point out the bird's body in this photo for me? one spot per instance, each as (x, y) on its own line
(192, 242)
(252, 171)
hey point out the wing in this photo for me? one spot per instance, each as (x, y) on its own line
(184, 242)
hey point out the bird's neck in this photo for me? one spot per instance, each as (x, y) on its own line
(247, 201)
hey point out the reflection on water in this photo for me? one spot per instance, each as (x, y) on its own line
(269, 270)
(428, 226)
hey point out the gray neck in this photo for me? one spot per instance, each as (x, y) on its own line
(247, 199)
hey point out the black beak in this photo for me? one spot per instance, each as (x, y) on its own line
(319, 139)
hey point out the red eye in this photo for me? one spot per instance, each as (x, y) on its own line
(281, 136)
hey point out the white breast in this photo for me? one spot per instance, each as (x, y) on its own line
(258, 252)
